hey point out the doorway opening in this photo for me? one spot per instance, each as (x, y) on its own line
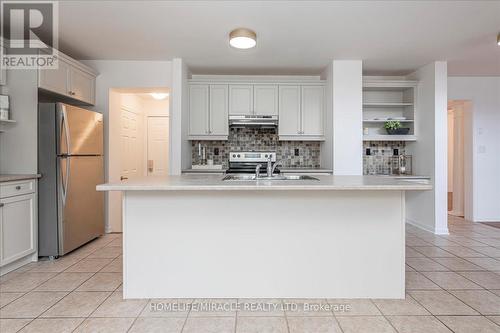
(139, 130)
(460, 180)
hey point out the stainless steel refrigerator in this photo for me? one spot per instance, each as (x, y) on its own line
(70, 160)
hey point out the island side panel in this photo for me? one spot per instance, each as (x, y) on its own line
(264, 244)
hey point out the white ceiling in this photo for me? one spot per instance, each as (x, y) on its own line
(293, 37)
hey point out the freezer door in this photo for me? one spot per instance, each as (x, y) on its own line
(80, 131)
(81, 207)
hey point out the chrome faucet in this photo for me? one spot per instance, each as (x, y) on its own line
(257, 171)
(275, 165)
(270, 166)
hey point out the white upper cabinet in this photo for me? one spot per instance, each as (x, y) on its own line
(240, 99)
(218, 115)
(55, 80)
(208, 112)
(297, 102)
(265, 100)
(301, 113)
(289, 111)
(71, 79)
(312, 106)
(198, 110)
(81, 85)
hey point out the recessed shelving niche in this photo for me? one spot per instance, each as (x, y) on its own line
(388, 99)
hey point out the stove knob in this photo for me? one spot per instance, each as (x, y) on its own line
(265, 156)
(234, 155)
(239, 155)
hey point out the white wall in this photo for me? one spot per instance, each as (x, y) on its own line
(180, 147)
(428, 209)
(115, 74)
(18, 144)
(347, 107)
(484, 94)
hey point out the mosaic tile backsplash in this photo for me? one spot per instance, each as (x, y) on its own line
(380, 162)
(260, 139)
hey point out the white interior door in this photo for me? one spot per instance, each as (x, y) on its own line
(131, 145)
(158, 132)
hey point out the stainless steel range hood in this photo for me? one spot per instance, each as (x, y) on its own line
(253, 121)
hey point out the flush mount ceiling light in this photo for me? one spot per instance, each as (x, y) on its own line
(242, 38)
(159, 96)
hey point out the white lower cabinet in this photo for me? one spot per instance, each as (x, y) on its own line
(18, 224)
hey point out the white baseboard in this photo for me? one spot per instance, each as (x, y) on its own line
(442, 231)
(488, 220)
(18, 264)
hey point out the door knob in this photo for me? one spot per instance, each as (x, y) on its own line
(123, 178)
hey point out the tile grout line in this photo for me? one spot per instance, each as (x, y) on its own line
(285, 315)
(135, 319)
(383, 315)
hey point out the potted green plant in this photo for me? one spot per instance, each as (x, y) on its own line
(394, 127)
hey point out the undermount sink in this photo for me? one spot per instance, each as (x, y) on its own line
(272, 178)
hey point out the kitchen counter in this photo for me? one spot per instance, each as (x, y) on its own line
(283, 170)
(216, 171)
(195, 182)
(14, 177)
(305, 170)
(196, 236)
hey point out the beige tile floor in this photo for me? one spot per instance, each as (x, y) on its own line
(453, 285)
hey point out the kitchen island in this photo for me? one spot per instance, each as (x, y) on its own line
(197, 236)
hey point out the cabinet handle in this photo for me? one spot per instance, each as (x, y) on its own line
(1, 205)
(18, 187)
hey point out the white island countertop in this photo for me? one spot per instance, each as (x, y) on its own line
(194, 182)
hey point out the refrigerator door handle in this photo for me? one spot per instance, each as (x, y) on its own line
(64, 182)
(64, 126)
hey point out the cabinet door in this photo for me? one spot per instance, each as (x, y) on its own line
(289, 110)
(17, 228)
(81, 85)
(265, 100)
(3, 72)
(218, 110)
(55, 80)
(198, 110)
(240, 99)
(312, 110)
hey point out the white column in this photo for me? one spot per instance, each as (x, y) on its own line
(428, 210)
(347, 85)
(180, 148)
